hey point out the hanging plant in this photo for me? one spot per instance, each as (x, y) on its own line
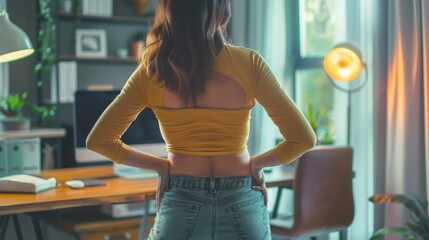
(45, 39)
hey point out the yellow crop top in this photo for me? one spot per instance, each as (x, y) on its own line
(201, 131)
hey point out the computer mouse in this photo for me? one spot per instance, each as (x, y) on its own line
(75, 183)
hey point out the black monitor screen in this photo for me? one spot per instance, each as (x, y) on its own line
(89, 105)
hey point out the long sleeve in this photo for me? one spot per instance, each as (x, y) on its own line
(105, 136)
(297, 132)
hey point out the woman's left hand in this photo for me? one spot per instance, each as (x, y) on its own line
(163, 174)
(258, 176)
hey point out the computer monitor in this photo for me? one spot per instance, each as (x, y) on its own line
(143, 134)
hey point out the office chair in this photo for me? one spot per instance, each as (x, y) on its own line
(323, 196)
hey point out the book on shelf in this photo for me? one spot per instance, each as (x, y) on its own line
(24, 183)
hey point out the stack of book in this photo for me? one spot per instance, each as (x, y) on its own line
(24, 183)
(102, 8)
(67, 82)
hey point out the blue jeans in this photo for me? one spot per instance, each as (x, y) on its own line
(206, 208)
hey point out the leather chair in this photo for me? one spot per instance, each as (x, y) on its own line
(323, 196)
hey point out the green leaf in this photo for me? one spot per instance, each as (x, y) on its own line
(37, 68)
(422, 203)
(403, 232)
(409, 204)
(416, 228)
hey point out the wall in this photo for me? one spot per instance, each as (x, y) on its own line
(21, 75)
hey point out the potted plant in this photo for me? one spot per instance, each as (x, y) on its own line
(137, 44)
(140, 6)
(328, 138)
(313, 116)
(417, 229)
(12, 110)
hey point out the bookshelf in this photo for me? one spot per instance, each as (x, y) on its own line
(121, 26)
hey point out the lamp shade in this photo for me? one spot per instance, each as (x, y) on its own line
(14, 43)
(343, 63)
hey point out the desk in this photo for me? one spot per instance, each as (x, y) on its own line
(117, 190)
(280, 177)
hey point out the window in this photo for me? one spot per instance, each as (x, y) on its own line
(320, 26)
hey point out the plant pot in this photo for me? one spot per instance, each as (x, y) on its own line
(136, 48)
(139, 6)
(15, 124)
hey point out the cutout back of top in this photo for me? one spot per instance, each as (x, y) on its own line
(221, 93)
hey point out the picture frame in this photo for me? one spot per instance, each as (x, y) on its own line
(91, 43)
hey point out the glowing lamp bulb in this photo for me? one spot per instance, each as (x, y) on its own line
(342, 64)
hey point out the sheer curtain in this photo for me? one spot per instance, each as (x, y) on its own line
(261, 25)
(425, 49)
(359, 33)
(401, 96)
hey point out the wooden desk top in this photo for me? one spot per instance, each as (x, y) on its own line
(280, 177)
(117, 190)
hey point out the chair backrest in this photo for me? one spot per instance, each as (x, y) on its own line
(323, 196)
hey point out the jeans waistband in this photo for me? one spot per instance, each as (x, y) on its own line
(211, 184)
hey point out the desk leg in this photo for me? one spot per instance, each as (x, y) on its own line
(17, 227)
(4, 222)
(343, 234)
(277, 202)
(37, 229)
(145, 221)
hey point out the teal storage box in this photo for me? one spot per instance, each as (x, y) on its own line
(3, 158)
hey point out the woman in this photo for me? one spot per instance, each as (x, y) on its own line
(202, 91)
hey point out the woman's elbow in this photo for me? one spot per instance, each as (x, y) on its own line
(91, 143)
(310, 141)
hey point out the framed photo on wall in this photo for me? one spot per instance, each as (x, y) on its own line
(91, 43)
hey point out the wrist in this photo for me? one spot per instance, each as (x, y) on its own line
(255, 163)
(163, 165)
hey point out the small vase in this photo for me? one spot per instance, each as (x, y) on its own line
(15, 124)
(140, 6)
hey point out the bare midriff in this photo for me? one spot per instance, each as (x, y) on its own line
(210, 166)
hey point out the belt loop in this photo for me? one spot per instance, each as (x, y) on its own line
(212, 185)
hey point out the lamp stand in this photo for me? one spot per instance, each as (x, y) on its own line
(349, 99)
(349, 116)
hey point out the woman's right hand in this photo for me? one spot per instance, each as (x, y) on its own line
(257, 174)
(163, 174)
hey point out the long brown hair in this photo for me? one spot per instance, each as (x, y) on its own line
(182, 45)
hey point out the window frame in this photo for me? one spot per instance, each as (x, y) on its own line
(314, 62)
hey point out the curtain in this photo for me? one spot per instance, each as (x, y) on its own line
(359, 21)
(401, 97)
(249, 28)
(425, 49)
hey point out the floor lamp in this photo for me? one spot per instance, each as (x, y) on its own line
(344, 63)
(14, 43)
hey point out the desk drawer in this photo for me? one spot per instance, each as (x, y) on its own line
(90, 224)
(129, 234)
(117, 230)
